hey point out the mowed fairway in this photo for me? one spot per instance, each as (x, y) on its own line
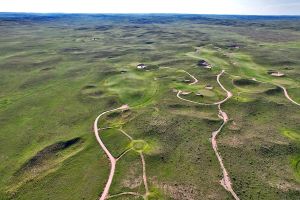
(182, 136)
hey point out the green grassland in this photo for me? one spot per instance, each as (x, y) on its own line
(58, 73)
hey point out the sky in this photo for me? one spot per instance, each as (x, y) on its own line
(243, 7)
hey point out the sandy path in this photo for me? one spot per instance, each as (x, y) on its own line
(143, 164)
(127, 135)
(122, 154)
(144, 173)
(284, 91)
(229, 94)
(109, 155)
(225, 182)
(287, 95)
(204, 104)
(194, 82)
(193, 77)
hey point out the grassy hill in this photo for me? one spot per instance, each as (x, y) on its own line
(59, 72)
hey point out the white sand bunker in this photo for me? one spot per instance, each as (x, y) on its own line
(209, 87)
(277, 74)
(185, 93)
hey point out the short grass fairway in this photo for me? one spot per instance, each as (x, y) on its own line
(187, 130)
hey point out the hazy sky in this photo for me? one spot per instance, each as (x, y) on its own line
(252, 7)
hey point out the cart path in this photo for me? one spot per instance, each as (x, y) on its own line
(229, 94)
(225, 182)
(287, 95)
(143, 165)
(144, 173)
(122, 154)
(193, 77)
(127, 135)
(112, 160)
(190, 101)
(283, 88)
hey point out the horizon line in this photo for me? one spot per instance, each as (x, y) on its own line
(121, 13)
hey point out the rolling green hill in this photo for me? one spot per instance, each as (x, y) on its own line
(59, 72)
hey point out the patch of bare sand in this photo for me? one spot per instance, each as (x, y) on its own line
(177, 191)
(233, 126)
(233, 141)
(133, 178)
(285, 186)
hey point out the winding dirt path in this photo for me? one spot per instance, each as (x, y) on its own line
(122, 154)
(193, 77)
(112, 160)
(287, 95)
(143, 166)
(144, 173)
(183, 99)
(229, 94)
(225, 182)
(284, 91)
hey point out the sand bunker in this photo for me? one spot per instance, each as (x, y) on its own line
(185, 93)
(209, 87)
(277, 74)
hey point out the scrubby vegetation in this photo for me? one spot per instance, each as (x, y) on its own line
(59, 72)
